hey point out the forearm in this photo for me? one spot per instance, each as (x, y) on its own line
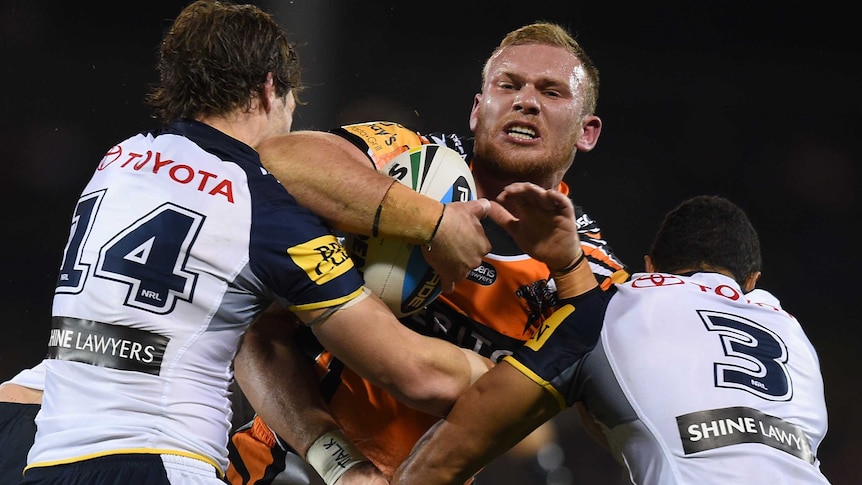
(329, 175)
(443, 373)
(425, 373)
(492, 416)
(280, 383)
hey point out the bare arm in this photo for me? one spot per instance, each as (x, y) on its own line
(425, 373)
(279, 381)
(502, 408)
(19, 394)
(329, 175)
(281, 385)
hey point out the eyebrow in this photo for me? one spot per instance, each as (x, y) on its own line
(542, 82)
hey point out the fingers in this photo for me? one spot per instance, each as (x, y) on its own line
(460, 243)
(520, 189)
(521, 197)
(447, 274)
(480, 207)
(447, 287)
(500, 215)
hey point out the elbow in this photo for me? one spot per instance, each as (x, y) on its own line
(426, 385)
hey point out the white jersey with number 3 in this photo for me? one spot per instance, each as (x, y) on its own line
(692, 380)
(708, 384)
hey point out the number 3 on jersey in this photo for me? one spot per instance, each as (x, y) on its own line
(149, 255)
(762, 354)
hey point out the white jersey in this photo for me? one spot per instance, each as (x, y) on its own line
(178, 242)
(34, 377)
(695, 381)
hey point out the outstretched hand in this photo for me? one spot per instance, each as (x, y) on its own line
(542, 222)
(460, 242)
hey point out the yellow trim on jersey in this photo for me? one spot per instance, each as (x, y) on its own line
(561, 401)
(323, 258)
(620, 276)
(548, 326)
(131, 451)
(327, 303)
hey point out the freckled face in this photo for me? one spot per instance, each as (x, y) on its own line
(529, 115)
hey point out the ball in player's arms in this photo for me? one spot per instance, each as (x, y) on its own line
(397, 271)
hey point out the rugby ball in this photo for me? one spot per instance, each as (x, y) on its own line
(397, 271)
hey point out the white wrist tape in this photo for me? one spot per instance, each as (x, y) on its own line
(332, 455)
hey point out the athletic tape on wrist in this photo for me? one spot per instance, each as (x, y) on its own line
(332, 455)
(577, 279)
(407, 215)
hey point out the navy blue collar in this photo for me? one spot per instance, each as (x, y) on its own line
(212, 140)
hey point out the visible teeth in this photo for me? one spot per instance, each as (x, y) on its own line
(522, 133)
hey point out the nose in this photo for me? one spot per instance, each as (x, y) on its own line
(527, 100)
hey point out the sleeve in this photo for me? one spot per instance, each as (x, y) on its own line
(294, 256)
(607, 267)
(381, 141)
(34, 377)
(553, 354)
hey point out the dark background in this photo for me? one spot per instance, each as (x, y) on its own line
(755, 101)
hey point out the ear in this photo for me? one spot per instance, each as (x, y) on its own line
(268, 93)
(474, 117)
(751, 281)
(648, 264)
(590, 131)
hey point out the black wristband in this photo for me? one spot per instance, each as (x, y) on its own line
(434, 232)
(375, 228)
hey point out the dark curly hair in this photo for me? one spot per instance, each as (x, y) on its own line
(215, 59)
(707, 232)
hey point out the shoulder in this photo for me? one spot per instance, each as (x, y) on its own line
(384, 140)
(380, 139)
(607, 266)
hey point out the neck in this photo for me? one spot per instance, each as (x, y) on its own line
(241, 126)
(489, 182)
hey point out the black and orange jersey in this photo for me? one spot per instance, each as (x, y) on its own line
(493, 311)
(503, 300)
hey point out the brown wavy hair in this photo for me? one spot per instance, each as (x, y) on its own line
(215, 58)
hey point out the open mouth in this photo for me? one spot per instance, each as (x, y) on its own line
(521, 133)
